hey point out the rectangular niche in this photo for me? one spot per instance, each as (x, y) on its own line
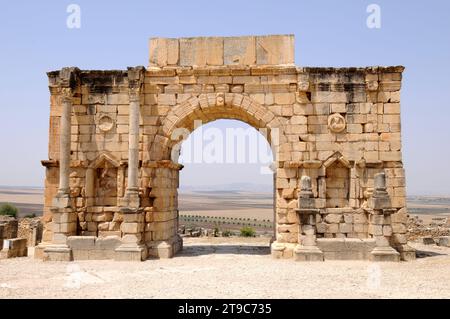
(103, 179)
(106, 186)
(338, 185)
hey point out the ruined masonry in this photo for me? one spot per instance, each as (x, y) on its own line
(111, 177)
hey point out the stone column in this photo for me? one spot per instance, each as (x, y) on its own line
(62, 197)
(64, 144)
(133, 148)
(64, 217)
(132, 227)
(131, 198)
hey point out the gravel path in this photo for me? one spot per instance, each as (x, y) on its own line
(228, 271)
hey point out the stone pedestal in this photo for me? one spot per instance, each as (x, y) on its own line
(307, 249)
(308, 253)
(384, 254)
(380, 222)
(57, 252)
(64, 225)
(380, 198)
(277, 250)
(407, 253)
(130, 252)
(39, 251)
(166, 248)
(132, 227)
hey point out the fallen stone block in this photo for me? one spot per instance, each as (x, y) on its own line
(16, 247)
(428, 241)
(444, 241)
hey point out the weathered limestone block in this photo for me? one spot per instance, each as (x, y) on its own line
(345, 248)
(334, 218)
(345, 228)
(108, 243)
(275, 49)
(131, 227)
(444, 241)
(81, 242)
(16, 247)
(201, 51)
(399, 228)
(164, 52)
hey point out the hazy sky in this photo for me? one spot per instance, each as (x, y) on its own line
(34, 39)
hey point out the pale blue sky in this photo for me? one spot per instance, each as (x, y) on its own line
(34, 39)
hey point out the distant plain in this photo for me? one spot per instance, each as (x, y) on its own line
(226, 203)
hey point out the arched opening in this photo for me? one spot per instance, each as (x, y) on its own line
(226, 187)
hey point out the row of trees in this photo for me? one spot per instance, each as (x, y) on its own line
(219, 222)
(225, 218)
(13, 211)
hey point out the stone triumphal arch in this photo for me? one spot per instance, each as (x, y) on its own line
(111, 181)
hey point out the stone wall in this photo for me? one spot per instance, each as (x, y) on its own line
(338, 126)
(8, 227)
(30, 229)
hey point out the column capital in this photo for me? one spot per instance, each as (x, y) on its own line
(66, 95)
(134, 94)
(135, 81)
(68, 77)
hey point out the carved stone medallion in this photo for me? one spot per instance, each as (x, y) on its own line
(105, 123)
(336, 123)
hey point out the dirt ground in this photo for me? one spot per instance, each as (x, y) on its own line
(228, 269)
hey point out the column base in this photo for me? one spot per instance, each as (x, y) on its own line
(39, 250)
(282, 250)
(384, 254)
(407, 253)
(308, 253)
(130, 252)
(277, 250)
(165, 248)
(131, 200)
(61, 200)
(57, 253)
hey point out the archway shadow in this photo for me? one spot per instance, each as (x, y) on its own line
(198, 250)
